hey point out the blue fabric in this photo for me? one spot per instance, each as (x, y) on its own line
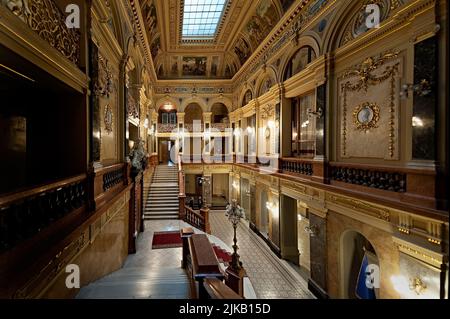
(362, 289)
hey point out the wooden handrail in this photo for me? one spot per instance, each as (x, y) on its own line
(216, 289)
(301, 160)
(107, 169)
(388, 169)
(8, 199)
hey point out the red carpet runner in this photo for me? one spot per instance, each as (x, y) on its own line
(166, 239)
(172, 239)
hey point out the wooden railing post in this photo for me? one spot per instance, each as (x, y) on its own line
(181, 209)
(181, 194)
(205, 214)
(235, 280)
(185, 234)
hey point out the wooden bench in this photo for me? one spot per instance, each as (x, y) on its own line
(202, 263)
(216, 289)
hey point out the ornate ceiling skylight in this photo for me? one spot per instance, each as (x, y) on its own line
(201, 18)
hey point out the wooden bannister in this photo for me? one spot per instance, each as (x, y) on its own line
(217, 289)
(182, 192)
(108, 181)
(24, 214)
(298, 166)
(193, 218)
(202, 262)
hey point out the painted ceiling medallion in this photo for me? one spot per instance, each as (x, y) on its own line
(366, 116)
(108, 119)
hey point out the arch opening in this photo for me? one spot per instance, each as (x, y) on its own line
(354, 248)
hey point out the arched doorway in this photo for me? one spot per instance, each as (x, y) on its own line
(353, 248)
(219, 113)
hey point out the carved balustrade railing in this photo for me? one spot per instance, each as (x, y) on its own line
(24, 214)
(221, 127)
(383, 179)
(167, 128)
(297, 166)
(47, 19)
(194, 218)
(108, 181)
(113, 178)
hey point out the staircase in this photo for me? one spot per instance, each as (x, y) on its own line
(140, 282)
(162, 199)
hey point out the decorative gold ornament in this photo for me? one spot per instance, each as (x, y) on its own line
(365, 73)
(267, 111)
(366, 116)
(45, 18)
(417, 285)
(108, 120)
(104, 85)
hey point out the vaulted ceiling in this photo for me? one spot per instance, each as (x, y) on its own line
(207, 38)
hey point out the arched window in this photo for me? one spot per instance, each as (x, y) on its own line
(167, 114)
(299, 61)
(247, 97)
(219, 113)
(265, 86)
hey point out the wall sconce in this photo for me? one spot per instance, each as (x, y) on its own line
(237, 132)
(417, 285)
(235, 185)
(421, 89)
(131, 144)
(146, 123)
(299, 217)
(271, 206)
(317, 114)
(312, 230)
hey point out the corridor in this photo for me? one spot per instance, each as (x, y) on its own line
(271, 277)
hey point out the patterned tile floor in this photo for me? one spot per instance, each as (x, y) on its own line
(157, 274)
(271, 277)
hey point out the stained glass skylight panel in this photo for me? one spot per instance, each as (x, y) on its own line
(202, 17)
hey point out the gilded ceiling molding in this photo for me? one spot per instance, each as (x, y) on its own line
(305, 12)
(399, 18)
(353, 29)
(139, 24)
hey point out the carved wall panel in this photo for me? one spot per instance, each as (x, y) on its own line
(49, 22)
(106, 92)
(369, 108)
